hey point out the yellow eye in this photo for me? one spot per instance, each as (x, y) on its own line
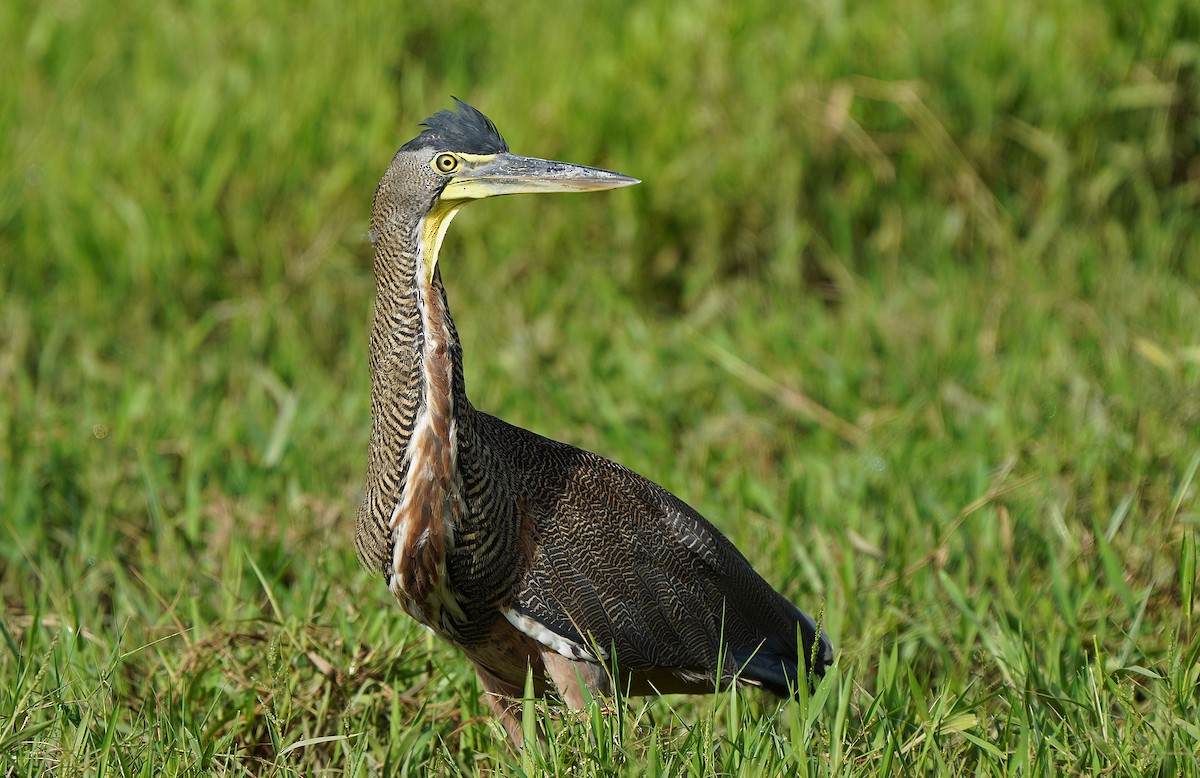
(445, 163)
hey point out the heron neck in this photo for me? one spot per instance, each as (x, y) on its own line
(419, 414)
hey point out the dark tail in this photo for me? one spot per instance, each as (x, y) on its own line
(776, 666)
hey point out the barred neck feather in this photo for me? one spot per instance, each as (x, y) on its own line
(414, 499)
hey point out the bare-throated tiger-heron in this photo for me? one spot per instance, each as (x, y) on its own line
(522, 551)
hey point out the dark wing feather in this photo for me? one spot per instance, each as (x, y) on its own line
(623, 564)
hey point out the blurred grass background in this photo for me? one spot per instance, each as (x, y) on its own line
(908, 305)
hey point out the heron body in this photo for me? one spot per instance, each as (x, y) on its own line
(522, 551)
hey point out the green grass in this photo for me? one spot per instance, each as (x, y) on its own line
(908, 305)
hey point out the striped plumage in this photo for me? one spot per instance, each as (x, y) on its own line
(520, 550)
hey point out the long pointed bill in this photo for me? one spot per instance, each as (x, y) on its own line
(511, 174)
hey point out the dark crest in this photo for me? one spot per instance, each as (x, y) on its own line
(468, 131)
